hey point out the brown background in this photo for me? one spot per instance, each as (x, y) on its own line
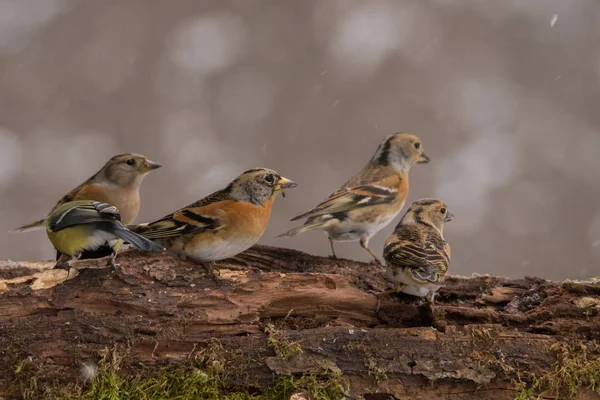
(504, 95)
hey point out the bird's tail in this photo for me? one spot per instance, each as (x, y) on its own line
(34, 226)
(308, 226)
(137, 241)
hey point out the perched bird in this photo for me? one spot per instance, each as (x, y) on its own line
(117, 183)
(222, 224)
(416, 253)
(369, 200)
(84, 225)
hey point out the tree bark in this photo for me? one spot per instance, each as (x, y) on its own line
(487, 337)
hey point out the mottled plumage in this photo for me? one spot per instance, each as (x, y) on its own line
(79, 226)
(369, 200)
(222, 224)
(417, 256)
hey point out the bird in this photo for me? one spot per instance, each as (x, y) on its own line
(78, 226)
(417, 255)
(116, 183)
(369, 200)
(222, 224)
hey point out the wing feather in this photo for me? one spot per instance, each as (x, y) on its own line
(427, 256)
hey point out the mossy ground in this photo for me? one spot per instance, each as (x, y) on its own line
(576, 366)
(200, 378)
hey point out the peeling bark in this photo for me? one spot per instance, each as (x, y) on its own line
(484, 334)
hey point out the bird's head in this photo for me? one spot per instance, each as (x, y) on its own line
(258, 185)
(400, 151)
(128, 169)
(431, 212)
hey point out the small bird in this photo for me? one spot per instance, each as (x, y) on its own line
(117, 183)
(369, 200)
(416, 253)
(84, 225)
(222, 224)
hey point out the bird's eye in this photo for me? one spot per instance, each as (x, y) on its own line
(442, 211)
(417, 145)
(131, 162)
(269, 178)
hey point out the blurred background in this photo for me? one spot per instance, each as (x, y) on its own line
(504, 95)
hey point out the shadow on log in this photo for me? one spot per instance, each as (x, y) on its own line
(276, 312)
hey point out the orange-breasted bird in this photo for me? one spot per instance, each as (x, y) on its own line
(117, 183)
(222, 224)
(369, 200)
(417, 255)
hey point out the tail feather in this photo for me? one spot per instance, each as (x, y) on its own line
(137, 241)
(33, 226)
(309, 226)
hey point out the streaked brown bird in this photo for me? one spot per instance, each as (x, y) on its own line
(417, 255)
(222, 224)
(369, 200)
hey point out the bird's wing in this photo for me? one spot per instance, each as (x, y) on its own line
(206, 214)
(427, 256)
(76, 213)
(350, 198)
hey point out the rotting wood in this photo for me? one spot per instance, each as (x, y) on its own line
(159, 309)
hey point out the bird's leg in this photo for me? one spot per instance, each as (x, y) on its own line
(430, 297)
(63, 263)
(111, 260)
(211, 269)
(364, 243)
(332, 249)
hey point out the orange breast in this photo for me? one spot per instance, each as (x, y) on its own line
(126, 200)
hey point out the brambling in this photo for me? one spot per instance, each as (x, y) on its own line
(84, 225)
(223, 223)
(117, 183)
(416, 253)
(371, 199)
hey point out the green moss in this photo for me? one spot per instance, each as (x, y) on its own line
(576, 366)
(194, 383)
(201, 377)
(284, 348)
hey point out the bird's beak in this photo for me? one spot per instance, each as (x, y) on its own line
(449, 217)
(151, 165)
(423, 159)
(284, 183)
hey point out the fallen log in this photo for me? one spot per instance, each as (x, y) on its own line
(276, 313)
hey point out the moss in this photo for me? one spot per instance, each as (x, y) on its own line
(194, 383)
(283, 347)
(201, 377)
(576, 366)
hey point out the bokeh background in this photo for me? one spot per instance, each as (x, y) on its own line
(504, 95)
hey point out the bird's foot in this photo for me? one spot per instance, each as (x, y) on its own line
(377, 261)
(111, 262)
(63, 265)
(212, 271)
